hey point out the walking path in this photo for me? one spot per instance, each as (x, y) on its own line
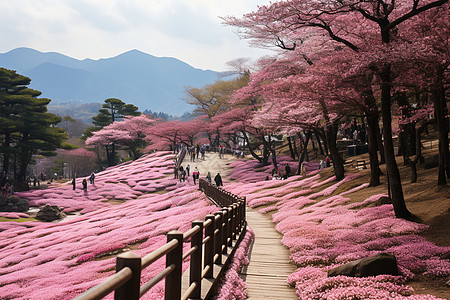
(269, 264)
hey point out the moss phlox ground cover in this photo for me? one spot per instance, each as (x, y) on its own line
(61, 260)
(333, 231)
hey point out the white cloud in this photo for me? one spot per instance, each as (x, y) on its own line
(188, 30)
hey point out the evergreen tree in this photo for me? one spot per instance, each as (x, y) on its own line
(26, 128)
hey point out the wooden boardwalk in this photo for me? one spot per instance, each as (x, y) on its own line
(269, 264)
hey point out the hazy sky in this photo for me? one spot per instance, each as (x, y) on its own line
(189, 30)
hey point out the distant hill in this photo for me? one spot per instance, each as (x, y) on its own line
(149, 82)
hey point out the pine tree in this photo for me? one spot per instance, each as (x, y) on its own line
(26, 128)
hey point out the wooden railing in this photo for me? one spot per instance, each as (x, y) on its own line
(218, 195)
(179, 158)
(213, 243)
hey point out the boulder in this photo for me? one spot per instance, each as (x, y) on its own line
(381, 263)
(13, 204)
(49, 213)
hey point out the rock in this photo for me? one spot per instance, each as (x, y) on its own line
(50, 213)
(381, 263)
(13, 204)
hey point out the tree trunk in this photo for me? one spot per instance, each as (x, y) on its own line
(314, 146)
(418, 157)
(320, 133)
(302, 156)
(319, 143)
(305, 144)
(252, 152)
(441, 115)
(338, 162)
(291, 150)
(25, 158)
(268, 145)
(295, 147)
(372, 126)
(393, 173)
(266, 154)
(380, 145)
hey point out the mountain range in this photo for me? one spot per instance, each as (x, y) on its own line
(149, 82)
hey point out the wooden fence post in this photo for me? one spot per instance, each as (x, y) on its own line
(131, 289)
(209, 246)
(234, 222)
(195, 275)
(230, 227)
(225, 213)
(174, 258)
(238, 215)
(219, 237)
(244, 208)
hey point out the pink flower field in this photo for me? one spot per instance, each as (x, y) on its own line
(330, 232)
(61, 260)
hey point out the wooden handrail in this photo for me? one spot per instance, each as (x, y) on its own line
(210, 240)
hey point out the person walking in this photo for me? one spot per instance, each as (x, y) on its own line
(202, 151)
(73, 183)
(288, 170)
(84, 183)
(303, 169)
(195, 175)
(188, 167)
(208, 177)
(180, 173)
(218, 180)
(92, 178)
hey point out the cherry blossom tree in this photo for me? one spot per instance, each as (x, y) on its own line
(167, 134)
(129, 133)
(370, 29)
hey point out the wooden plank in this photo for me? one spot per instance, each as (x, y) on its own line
(269, 265)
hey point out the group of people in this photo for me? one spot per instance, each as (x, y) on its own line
(324, 163)
(195, 151)
(7, 189)
(182, 173)
(84, 182)
(217, 179)
(282, 173)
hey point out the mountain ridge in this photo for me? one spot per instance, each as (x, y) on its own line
(147, 81)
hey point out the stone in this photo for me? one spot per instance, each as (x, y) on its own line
(381, 263)
(13, 204)
(49, 213)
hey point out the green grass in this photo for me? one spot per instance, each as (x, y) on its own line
(20, 220)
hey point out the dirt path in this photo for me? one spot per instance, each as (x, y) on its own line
(212, 164)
